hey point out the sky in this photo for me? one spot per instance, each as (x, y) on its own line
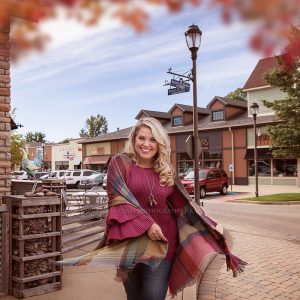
(113, 71)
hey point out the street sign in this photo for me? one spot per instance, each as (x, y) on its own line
(180, 87)
(190, 146)
(231, 168)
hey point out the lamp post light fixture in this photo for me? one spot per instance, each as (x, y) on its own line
(193, 41)
(254, 109)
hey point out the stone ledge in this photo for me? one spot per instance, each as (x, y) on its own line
(208, 284)
(266, 202)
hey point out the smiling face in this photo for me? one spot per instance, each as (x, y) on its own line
(145, 146)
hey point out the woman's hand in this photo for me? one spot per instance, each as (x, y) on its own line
(155, 233)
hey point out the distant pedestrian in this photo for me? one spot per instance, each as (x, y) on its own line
(156, 234)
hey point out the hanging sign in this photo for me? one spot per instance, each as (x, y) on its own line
(179, 87)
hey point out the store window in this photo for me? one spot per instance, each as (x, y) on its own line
(218, 115)
(177, 121)
(284, 167)
(263, 167)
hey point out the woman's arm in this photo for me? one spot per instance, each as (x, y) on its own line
(176, 201)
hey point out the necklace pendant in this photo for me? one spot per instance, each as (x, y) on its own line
(152, 201)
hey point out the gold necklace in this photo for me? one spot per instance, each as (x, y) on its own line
(151, 200)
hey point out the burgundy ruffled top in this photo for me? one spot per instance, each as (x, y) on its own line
(125, 221)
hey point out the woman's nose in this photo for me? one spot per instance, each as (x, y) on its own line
(147, 143)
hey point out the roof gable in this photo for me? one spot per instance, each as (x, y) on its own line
(256, 78)
(189, 108)
(115, 135)
(154, 114)
(228, 102)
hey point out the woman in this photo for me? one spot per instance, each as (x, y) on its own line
(150, 178)
(157, 203)
(156, 235)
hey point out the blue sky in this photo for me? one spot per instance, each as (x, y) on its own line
(115, 72)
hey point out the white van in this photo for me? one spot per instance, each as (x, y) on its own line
(19, 175)
(73, 177)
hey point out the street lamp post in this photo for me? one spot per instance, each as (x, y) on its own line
(254, 108)
(193, 40)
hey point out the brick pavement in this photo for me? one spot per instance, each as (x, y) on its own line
(273, 270)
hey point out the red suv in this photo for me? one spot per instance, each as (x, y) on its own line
(210, 180)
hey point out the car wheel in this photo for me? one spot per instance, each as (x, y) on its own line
(224, 190)
(77, 185)
(202, 192)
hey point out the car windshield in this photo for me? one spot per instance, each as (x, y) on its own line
(18, 173)
(95, 176)
(202, 175)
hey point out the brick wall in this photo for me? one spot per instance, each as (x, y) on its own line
(5, 156)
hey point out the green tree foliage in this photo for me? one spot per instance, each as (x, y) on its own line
(94, 126)
(237, 94)
(17, 142)
(36, 136)
(285, 136)
(65, 141)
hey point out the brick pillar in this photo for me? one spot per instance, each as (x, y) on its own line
(5, 156)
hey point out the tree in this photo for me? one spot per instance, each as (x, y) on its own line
(36, 136)
(65, 141)
(237, 94)
(273, 18)
(17, 142)
(94, 126)
(285, 136)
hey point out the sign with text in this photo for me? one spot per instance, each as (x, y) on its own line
(179, 87)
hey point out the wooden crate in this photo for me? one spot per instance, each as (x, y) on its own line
(36, 243)
(4, 249)
(54, 185)
(19, 187)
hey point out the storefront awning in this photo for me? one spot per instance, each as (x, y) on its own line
(262, 153)
(96, 160)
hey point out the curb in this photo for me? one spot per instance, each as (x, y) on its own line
(266, 202)
(208, 285)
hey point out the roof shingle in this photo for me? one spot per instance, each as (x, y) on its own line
(256, 78)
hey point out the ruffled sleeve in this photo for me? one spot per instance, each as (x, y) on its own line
(125, 221)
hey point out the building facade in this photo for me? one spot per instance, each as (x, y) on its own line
(226, 136)
(67, 156)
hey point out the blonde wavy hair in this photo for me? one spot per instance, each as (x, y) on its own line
(161, 161)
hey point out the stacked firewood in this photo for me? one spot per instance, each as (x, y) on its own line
(34, 247)
(33, 226)
(34, 268)
(32, 210)
(40, 192)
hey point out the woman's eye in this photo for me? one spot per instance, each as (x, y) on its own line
(141, 138)
(153, 140)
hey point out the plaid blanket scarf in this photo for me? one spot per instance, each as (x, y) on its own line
(200, 238)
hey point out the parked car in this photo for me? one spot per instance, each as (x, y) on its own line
(73, 177)
(104, 182)
(91, 181)
(54, 174)
(210, 180)
(19, 175)
(41, 175)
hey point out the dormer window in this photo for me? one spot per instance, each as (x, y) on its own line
(218, 115)
(177, 121)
